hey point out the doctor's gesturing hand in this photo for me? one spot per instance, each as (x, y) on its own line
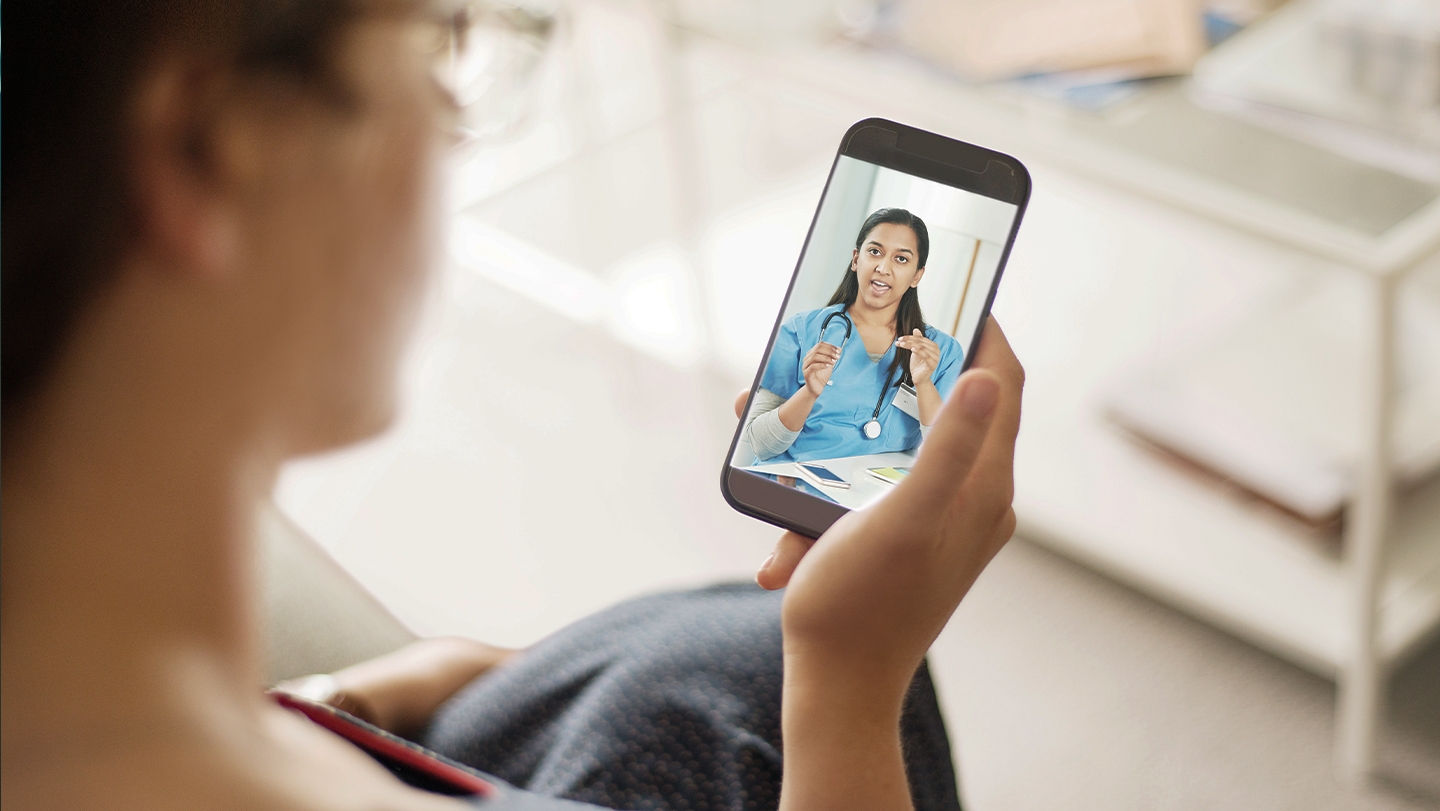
(817, 366)
(865, 601)
(924, 355)
(924, 360)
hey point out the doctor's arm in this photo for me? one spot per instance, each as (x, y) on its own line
(768, 435)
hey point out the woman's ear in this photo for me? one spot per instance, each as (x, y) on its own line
(185, 215)
(915, 282)
(854, 260)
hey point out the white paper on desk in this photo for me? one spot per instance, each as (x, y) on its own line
(1274, 404)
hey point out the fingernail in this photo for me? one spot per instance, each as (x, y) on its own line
(765, 565)
(979, 395)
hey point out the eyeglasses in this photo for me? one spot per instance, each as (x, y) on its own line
(485, 55)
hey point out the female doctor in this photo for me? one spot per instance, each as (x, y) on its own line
(820, 398)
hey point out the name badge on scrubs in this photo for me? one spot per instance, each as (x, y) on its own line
(907, 401)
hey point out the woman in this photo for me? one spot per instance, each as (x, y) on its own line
(216, 224)
(832, 401)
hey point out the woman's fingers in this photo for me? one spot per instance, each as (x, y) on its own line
(822, 353)
(776, 570)
(955, 440)
(740, 400)
(928, 352)
(918, 344)
(995, 355)
(955, 453)
(924, 354)
(816, 366)
(997, 458)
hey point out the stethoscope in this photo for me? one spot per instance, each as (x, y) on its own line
(871, 429)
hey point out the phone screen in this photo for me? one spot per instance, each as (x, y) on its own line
(882, 316)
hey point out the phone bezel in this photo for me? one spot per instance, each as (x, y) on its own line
(916, 152)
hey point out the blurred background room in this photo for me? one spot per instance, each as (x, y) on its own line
(1225, 587)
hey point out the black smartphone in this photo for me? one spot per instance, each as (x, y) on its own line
(884, 311)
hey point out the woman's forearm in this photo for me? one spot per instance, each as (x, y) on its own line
(400, 691)
(930, 401)
(842, 742)
(797, 409)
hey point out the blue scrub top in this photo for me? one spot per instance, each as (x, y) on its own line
(835, 427)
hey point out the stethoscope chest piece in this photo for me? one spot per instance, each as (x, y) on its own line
(871, 429)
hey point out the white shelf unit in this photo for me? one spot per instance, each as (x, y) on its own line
(1100, 499)
(1354, 618)
(1237, 565)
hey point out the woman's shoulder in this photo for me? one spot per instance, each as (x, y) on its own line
(810, 320)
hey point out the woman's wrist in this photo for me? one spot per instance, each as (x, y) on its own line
(796, 410)
(842, 739)
(848, 677)
(929, 401)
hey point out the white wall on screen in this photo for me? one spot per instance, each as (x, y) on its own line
(967, 236)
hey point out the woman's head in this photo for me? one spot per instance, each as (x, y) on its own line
(889, 257)
(885, 271)
(226, 199)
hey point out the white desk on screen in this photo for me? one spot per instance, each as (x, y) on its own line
(864, 489)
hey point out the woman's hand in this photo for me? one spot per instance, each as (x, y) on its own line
(924, 355)
(866, 601)
(400, 691)
(817, 365)
(888, 576)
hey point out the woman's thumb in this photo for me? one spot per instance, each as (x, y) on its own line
(957, 436)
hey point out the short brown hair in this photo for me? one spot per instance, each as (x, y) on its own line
(70, 67)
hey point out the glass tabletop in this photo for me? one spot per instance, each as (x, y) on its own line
(1168, 127)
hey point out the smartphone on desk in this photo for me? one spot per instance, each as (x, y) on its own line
(883, 313)
(821, 475)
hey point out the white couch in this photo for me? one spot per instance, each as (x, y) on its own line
(317, 618)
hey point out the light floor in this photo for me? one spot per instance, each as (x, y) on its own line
(617, 267)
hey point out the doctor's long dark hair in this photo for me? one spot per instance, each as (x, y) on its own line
(907, 317)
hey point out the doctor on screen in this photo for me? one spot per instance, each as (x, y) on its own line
(864, 374)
